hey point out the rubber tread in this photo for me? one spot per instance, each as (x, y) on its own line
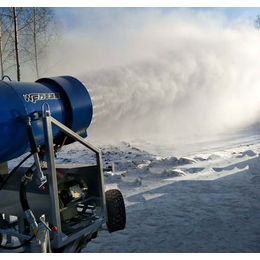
(115, 210)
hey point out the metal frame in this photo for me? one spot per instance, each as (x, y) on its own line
(60, 239)
(74, 240)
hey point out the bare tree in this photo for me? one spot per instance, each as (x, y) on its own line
(6, 43)
(41, 33)
(9, 55)
(1, 51)
(2, 11)
(16, 45)
(35, 42)
(257, 22)
(25, 36)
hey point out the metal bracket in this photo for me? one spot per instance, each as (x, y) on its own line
(60, 239)
(42, 219)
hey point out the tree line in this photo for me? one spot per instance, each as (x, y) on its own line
(25, 35)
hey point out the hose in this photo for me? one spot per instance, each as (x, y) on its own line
(30, 133)
(13, 171)
(23, 196)
(23, 199)
(5, 76)
(28, 177)
(24, 202)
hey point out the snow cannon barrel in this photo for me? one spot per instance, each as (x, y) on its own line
(69, 103)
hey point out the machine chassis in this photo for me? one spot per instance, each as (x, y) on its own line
(89, 225)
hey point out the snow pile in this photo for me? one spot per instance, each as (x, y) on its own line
(209, 204)
(172, 173)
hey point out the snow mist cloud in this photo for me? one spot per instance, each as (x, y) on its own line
(173, 74)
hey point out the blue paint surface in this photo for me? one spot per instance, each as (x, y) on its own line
(69, 103)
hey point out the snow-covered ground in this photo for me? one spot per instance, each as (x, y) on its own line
(202, 196)
(198, 196)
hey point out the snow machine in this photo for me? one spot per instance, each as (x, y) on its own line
(46, 207)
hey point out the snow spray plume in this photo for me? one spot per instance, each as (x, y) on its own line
(178, 74)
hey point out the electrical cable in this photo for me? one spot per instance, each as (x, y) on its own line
(14, 170)
(56, 147)
(27, 176)
(5, 76)
(1, 187)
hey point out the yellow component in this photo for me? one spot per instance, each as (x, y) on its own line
(35, 231)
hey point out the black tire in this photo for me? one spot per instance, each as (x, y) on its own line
(116, 216)
(1, 238)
